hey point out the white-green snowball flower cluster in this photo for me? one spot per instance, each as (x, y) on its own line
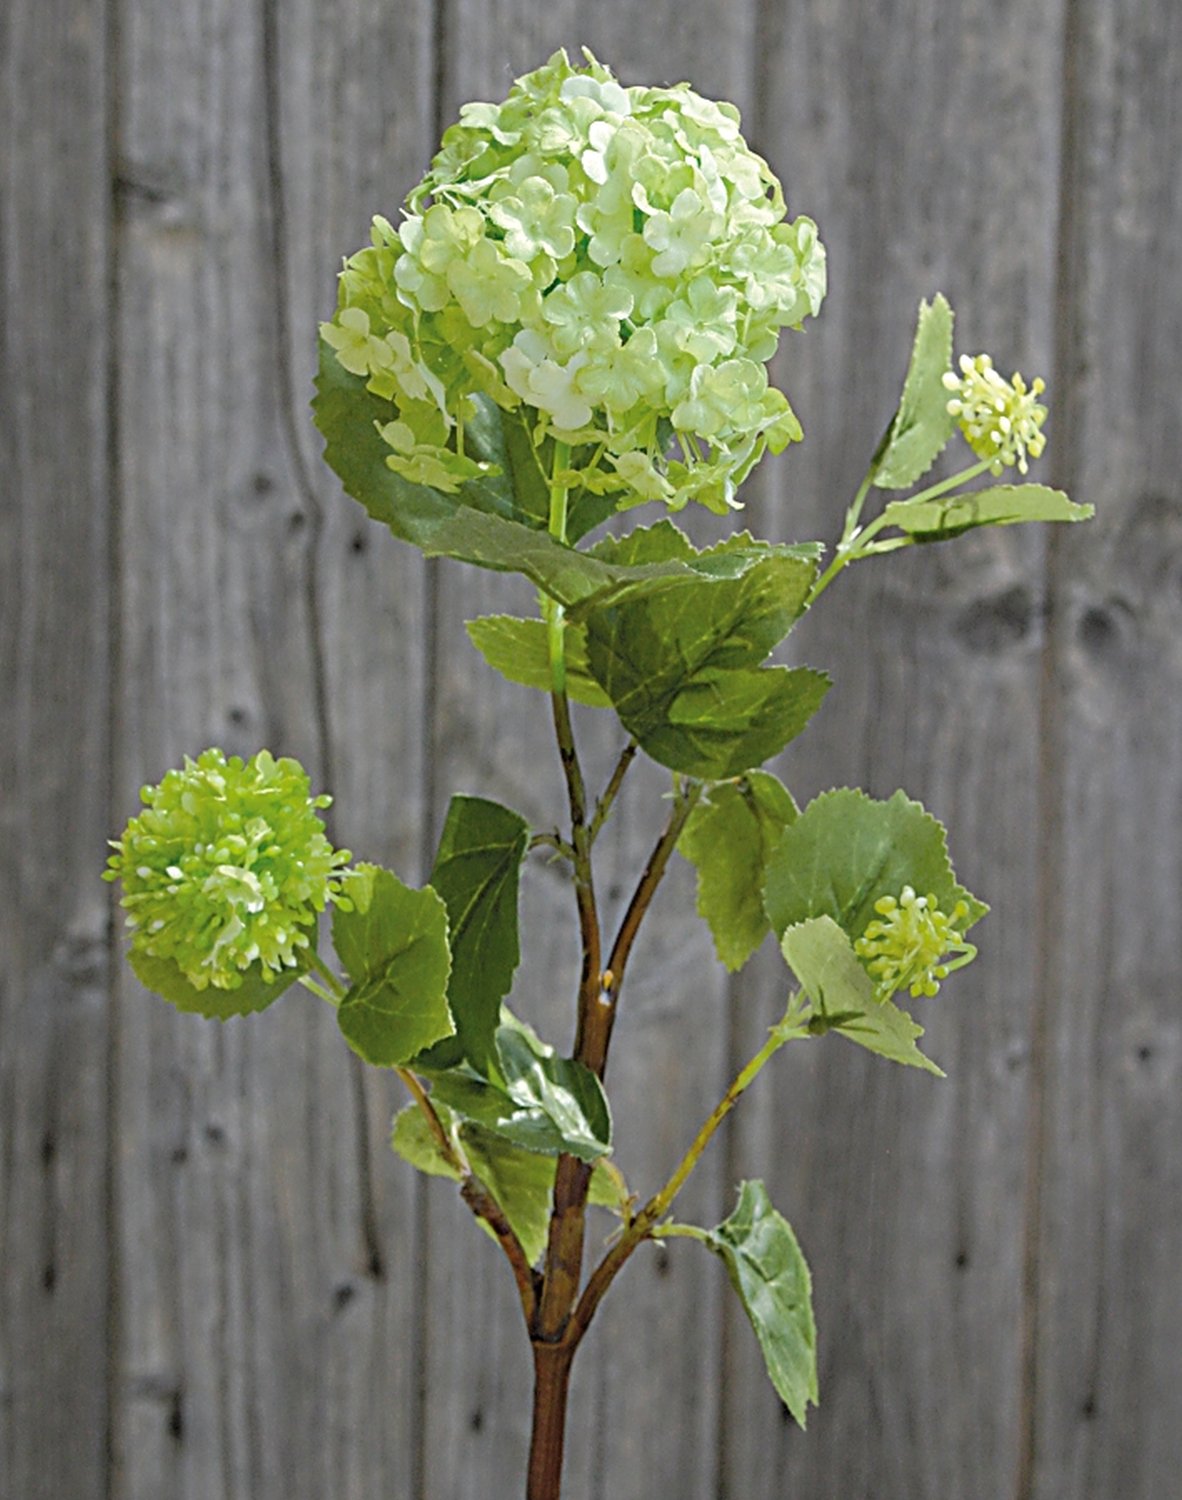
(227, 866)
(613, 264)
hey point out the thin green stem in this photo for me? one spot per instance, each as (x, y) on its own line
(647, 1220)
(334, 984)
(555, 620)
(854, 544)
(318, 990)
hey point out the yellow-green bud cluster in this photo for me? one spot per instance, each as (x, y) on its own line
(227, 867)
(612, 263)
(1001, 420)
(914, 945)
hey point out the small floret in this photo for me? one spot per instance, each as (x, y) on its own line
(914, 945)
(1001, 420)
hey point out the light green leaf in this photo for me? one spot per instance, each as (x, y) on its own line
(393, 945)
(680, 663)
(482, 524)
(846, 850)
(728, 839)
(842, 995)
(1002, 505)
(477, 871)
(520, 651)
(922, 425)
(164, 977)
(520, 1181)
(768, 1270)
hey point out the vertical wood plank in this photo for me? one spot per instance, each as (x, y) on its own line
(1106, 1330)
(645, 1389)
(54, 671)
(925, 144)
(268, 1266)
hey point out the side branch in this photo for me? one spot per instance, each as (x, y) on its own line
(477, 1197)
(642, 1226)
(486, 1207)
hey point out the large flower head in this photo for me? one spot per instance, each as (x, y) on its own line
(610, 264)
(227, 867)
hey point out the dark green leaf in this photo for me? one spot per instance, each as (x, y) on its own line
(922, 425)
(393, 945)
(842, 995)
(533, 1099)
(847, 850)
(521, 1181)
(477, 872)
(770, 1274)
(728, 839)
(680, 663)
(520, 651)
(1002, 505)
(165, 978)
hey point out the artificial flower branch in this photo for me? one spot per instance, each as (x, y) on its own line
(575, 318)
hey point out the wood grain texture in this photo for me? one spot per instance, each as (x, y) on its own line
(908, 1192)
(268, 1265)
(54, 673)
(1106, 1309)
(218, 1283)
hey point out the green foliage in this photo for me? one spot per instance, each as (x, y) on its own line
(922, 424)
(521, 1181)
(768, 1270)
(477, 873)
(529, 1097)
(393, 944)
(164, 977)
(519, 651)
(680, 658)
(842, 995)
(728, 839)
(847, 850)
(478, 524)
(1001, 505)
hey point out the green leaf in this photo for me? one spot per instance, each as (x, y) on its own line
(922, 425)
(520, 651)
(846, 850)
(1002, 505)
(477, 872)
(393, 945)
(520, 1181)
(680, 662)
(484, 524)
(842, 994)
(164, 977)
(728, 839)
(770, 1274)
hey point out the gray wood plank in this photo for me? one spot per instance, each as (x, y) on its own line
(630, 1392)
(54, 671)
(897, 133)
(260, 1244)
(1106, 1330)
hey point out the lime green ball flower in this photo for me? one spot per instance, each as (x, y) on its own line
(227, 867)
(607, 265)
(1001, 420)
(915, 945)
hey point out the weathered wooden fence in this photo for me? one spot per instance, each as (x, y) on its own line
(217, 1282)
